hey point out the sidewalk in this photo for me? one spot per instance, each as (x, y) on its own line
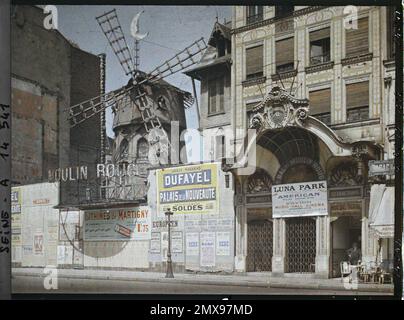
(250, 280)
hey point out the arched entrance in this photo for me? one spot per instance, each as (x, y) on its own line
(295, 148)
(299, 154)
(300, 238)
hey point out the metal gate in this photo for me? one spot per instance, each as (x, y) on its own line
(300, 245)
(259, 247)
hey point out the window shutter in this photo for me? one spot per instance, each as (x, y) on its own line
(357, 95)
(357, 40)
(284, 51)
(254, 60)
(320, 101)
(212, 95)
(320, 34)
(220, 90)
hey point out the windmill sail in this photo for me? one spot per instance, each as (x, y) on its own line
(180, 62)
(111, 27)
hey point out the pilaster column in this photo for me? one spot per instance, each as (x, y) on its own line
(279, 250)
(241, 238)
(323, 246)
(369, 243)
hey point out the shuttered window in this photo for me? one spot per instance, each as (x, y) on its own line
(254, 62)
(357, 40)
(357, 101)
(284, 54)
(216, 95)
(320, 105)
(357, 95)
(320, 101)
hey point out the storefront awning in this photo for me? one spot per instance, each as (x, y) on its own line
(381, 211)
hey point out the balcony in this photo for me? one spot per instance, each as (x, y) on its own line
(319, 59)
(357, 114)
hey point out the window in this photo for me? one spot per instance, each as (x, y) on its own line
(283, 11)
(357, 40)
(142, 149)
(216, 95)
(254, 14)
(220, 147)
(284, 55)
(254, 62)
(124, 149)
(320, 105)
(320, 46)
(357, 101)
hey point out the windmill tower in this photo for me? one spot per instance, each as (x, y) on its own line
(143, 110)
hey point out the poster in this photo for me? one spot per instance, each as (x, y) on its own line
(299, 199)
(207, 249)
(15, 200)
(68, 223)
(192, 244)
(188, 189)
(164, 245)
(155, 245)
(117, 224)
(223, 243)
(176, 241)
(38, 243)
(61, 252)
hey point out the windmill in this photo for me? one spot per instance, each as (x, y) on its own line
(135, 89)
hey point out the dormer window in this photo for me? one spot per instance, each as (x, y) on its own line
(254, 14)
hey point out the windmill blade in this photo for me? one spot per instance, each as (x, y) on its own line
(87, 109)
(180, 62)
(111, 27)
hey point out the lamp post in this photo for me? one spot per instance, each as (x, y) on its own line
(169, 272)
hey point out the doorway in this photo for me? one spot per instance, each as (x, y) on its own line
(300, 245)
(259, 245)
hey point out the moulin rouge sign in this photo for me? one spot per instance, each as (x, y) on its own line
(102, 170)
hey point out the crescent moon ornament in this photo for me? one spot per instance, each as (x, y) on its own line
(134, 28)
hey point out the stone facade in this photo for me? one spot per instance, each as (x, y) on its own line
(49, 74)
(377, 67)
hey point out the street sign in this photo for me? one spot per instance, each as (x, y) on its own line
(381, 167)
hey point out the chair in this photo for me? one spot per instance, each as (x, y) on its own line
(346, 270)
(385, 273)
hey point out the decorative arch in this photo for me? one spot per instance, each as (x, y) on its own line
(305, 161)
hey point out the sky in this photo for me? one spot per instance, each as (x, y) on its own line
(170, 29)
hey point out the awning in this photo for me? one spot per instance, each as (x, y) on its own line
(381, 211)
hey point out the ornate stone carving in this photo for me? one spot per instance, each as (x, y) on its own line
(345, 174)
(260, 181)
(279, 109)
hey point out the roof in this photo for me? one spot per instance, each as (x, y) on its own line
(209, 59)
(163, 83)
(223, 29)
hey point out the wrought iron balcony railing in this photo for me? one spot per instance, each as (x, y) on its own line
(325, 57)
(254, 18)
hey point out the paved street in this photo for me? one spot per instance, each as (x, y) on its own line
(34, 284)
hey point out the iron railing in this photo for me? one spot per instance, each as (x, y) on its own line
(325, 57)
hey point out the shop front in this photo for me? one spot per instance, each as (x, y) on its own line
(306, 205)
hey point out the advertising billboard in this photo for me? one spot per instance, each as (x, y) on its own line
(299, 199)
(188, 189)
(118, 224)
